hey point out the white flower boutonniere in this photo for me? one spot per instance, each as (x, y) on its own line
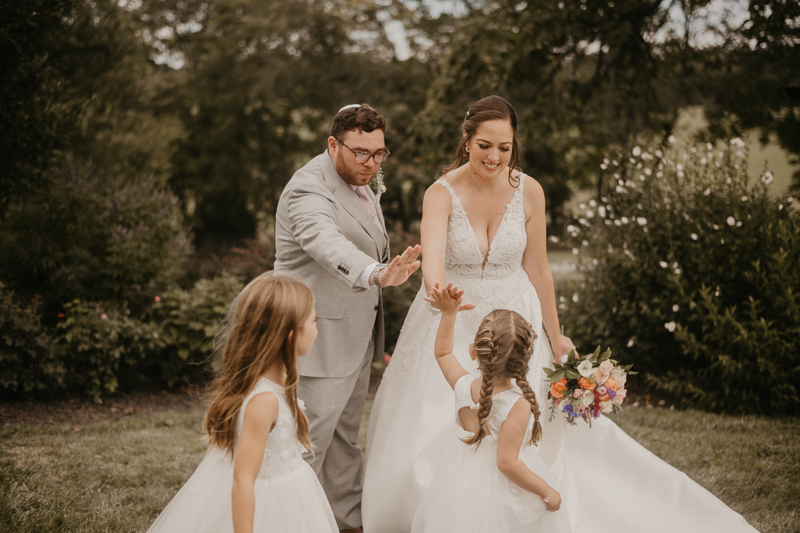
(377, 185)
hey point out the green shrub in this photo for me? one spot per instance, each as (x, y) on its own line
(690, 272)
(29, 357)
(188, 320)
(106, 349)
(93, 238)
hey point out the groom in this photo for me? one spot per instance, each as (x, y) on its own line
(330, 234)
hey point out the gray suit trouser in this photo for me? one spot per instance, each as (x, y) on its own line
(334, 407)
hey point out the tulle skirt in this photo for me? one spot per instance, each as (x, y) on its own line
(470, 495)
(289, 502)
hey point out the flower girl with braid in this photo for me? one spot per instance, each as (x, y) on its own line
(492, 479)
(254, 478)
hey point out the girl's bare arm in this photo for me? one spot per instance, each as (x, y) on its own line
(259, 419)
(509, 442)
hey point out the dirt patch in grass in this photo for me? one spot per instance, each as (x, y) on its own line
(80, 411)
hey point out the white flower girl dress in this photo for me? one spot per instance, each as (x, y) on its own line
(288, 496)
(469, 494)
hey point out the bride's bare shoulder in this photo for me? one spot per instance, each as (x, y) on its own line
(533, 189)
(437, 196)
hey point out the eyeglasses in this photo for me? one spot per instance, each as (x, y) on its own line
(362, 157)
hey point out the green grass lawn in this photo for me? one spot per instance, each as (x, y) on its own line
(117, 476)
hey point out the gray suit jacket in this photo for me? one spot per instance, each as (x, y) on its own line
(325, 237)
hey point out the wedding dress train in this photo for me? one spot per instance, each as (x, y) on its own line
(609, 483)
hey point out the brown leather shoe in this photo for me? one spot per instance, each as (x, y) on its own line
(352, 530)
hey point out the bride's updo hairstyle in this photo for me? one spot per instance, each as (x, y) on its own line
(503, 345)
(486, 109)
(254, 337)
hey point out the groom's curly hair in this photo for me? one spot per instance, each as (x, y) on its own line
(503, 345)
(360, 118)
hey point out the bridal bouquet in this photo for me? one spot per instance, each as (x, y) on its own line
(584, 387)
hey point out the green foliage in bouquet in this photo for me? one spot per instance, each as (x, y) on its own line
(188, 320)
(584, 387)
(29, 356)
(105, 349)
(693, 268)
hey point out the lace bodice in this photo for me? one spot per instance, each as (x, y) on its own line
(283, 453)
(463, 258)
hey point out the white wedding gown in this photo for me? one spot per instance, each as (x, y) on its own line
(609, 483)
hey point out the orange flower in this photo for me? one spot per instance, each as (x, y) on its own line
(557, 389)
(611, 384)
(586, 383)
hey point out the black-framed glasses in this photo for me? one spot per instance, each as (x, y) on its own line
(362, 157)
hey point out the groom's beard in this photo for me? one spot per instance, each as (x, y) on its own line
(358, 175)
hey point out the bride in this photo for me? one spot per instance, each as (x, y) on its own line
(483, 228)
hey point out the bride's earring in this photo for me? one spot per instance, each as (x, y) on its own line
(467, 149)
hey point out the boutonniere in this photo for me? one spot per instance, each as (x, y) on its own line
(377, 185)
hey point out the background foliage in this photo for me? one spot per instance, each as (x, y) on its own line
(144, 145)
(689, 265)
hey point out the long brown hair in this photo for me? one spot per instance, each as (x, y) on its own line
(254, 337)
(489, 108)
(503, 345)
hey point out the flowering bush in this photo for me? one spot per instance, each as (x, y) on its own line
(105, 349)
(694, 270)
(584, 387)
(29, 357)
(188, 321)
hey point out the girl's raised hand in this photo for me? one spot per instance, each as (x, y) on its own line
(448, 299)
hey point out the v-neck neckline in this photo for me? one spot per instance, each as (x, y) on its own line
(472, 228)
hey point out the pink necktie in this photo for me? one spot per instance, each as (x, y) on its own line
(369, 204)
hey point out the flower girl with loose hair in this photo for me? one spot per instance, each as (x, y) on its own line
(492, 478)
(254, 477)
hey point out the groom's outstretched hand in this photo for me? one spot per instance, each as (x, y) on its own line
(401, 267)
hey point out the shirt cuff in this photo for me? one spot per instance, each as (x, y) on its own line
(363, 278)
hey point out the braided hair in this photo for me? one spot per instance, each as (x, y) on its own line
(503, 346)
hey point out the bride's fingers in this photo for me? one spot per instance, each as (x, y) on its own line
(466, 307)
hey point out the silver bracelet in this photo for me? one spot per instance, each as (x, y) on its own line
(432, 309)
(376, 275)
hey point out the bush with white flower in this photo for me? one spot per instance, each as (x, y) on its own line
(704, 288)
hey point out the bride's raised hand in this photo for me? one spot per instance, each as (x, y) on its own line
(401, 267)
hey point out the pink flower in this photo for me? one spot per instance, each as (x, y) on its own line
(621, 393)
(606, 367)
(387, 358)
(599, 378)
(578, 393)
(601, 390)
(607, 407)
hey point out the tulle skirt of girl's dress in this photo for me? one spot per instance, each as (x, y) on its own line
(469, 494)
(290, 502)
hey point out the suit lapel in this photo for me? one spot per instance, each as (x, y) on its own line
(350, 201)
